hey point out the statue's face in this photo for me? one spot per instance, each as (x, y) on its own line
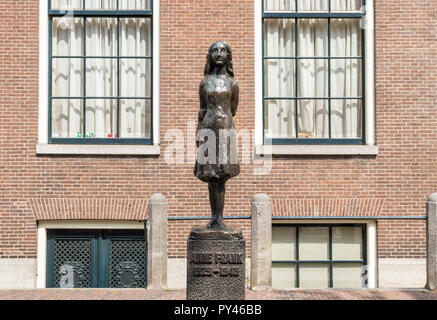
(219, 54)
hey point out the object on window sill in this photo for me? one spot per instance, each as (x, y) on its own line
(89, 135)
(305, 135)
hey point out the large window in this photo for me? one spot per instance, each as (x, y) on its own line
(319, 256)
(100, 71)
(313, 71)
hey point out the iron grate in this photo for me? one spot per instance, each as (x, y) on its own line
(127, 263)
(72, 263)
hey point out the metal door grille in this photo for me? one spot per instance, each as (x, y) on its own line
(72, 263)
(127, 264)
(96, 259)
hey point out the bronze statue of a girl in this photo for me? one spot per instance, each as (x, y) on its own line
(217, 159)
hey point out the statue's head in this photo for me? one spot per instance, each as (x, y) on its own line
(219, 53)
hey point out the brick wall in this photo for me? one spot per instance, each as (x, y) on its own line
(399, 179)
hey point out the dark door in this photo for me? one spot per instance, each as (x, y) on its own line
(96, 259)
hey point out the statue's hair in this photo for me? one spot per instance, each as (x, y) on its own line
(229, 66)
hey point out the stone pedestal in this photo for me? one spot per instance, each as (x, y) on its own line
(431, 242)
(216, 262)
(261, 259)
(157, 242)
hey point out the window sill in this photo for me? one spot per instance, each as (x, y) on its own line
(72, 149)
(316, 150)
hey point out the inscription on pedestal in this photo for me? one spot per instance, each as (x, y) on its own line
(224, 264)
(216, 269)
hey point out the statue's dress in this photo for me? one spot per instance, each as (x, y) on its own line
(216, 96)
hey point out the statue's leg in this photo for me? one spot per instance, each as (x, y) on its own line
(217, 202)
(220, 202)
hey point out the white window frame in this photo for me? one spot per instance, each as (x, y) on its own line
(369, 148)
(43, 147)
(371, 245)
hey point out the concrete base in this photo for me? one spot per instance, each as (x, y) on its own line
(176, 273)
(216, 265)
(402, 273)
(17, 273)
(393, 273)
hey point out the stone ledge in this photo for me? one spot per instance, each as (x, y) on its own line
(119, 149)
(339, 150)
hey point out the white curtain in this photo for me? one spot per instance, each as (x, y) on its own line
(346, 78)
(66, 4)
(311, 5)
(101, 4)
(101, 74)
(280, 74)
(135, 77)
(67, 78)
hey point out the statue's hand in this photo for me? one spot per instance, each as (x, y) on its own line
(201, 115)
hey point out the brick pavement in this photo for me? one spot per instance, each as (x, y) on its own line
(142, 294)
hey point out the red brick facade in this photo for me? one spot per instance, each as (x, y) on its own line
(396, 182)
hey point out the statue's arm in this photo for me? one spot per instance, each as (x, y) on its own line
(202, 99)
(234, 98)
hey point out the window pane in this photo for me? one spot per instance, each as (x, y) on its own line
(135, 4)
(312, 37)
(313, 119)
(67, 36)
(345, 5)
(66, 4)
(279, 5)
(101, 77)
(283, 244)
(135, 37)
(280, 118)
(101, 118)
(101, 4)
(313, 243)
(312, 5)
(347, 243)
(346, 118)
(313, 78)
(101, 37)
(347, 275)
(67, 77)
(283, 275)
(345, 38)
(279, 78)
(345, 78)
(135, 118)
(314, 275)
(67, 115)
(279, 38)
(135, 79)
